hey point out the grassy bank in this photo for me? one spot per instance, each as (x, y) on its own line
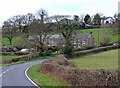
(44, 80)
(105, 60)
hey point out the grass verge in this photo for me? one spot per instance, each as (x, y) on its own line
(44, 80)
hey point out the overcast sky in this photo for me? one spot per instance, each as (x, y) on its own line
(10, 8)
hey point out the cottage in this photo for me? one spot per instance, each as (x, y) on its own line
(78, 41)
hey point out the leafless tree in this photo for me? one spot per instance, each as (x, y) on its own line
(66, 28)
(76, 18)
(38, 27)
(82, 17)
(9, 30)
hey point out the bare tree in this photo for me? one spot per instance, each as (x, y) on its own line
(76, 18)
(58, 20)
(38, 27)
(9, 30)
(82, 17)
(41, 14)
(66, 28)
(25, 21)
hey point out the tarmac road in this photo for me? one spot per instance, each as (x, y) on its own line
(14, 76)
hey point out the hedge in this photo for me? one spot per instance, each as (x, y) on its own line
(65, 70)
(93, 51)
(22, 58)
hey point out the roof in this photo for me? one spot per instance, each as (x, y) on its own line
(83, 37)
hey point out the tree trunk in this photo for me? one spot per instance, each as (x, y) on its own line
(10, 40)
(68, 47)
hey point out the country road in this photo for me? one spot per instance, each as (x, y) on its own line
(15, 75)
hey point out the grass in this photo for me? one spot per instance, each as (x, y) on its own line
(105, 60)
(44, 80)
(102, 33)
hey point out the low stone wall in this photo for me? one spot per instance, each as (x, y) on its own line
(22, 58)
(65, 70)
(13, 53)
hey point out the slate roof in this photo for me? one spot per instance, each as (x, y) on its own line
(83, 37)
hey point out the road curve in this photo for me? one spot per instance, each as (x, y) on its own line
(14, 76)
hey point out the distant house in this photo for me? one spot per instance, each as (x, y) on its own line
(106, 20)
(78, 41)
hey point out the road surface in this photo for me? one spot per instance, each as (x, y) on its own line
(14, 76)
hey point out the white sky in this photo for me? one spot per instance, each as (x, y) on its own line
(9, 8)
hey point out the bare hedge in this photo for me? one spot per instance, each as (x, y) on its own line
(97, 50)
(22, 58)
(13, 53)
(65, 70)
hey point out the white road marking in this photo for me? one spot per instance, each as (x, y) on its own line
(4, 72)
(8, 69)
(1, 75)
(29, 78)
(11, 68)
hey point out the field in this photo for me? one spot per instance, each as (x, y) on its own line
(43, 79)
(105, 60)
(97, 37)
(100, 33)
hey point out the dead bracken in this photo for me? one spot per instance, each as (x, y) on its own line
(65, 70)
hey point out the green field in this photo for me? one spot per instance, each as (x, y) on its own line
(44, 80)
(105, 60)
(19, 40)
(102, 33)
